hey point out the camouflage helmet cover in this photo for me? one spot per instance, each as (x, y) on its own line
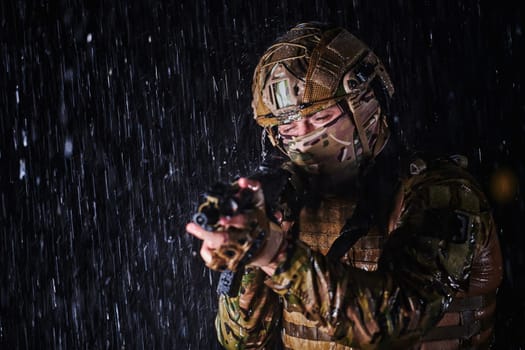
(312, 67)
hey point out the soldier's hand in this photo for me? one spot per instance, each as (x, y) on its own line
(248, 238)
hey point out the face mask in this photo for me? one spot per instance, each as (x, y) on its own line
(326, 150)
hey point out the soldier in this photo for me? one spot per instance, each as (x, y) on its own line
(359, 248)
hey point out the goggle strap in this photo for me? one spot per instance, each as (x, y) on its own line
(362, 135)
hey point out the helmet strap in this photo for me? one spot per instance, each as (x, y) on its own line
(360, 131)
(382, 138)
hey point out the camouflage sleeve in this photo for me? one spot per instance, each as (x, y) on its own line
(426, 259)
(249, 320)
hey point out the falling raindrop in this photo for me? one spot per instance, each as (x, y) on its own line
(68, 147)
(24, 138)
(22, 170)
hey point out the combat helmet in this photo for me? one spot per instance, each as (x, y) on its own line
(314, 66)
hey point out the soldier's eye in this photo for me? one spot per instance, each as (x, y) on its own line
(322, 117)
(286, 129)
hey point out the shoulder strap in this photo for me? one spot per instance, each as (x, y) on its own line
(354, 228)
(377, 185)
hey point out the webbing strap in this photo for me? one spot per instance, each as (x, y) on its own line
(463, 332)
(452, 332)
(469, 325)
(354, 228)
(475, 302)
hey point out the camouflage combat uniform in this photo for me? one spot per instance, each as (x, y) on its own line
(427, 279)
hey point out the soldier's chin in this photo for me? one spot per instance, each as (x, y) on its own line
(315, 168)
(322, 168)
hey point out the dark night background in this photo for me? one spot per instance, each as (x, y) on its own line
(116, 115)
